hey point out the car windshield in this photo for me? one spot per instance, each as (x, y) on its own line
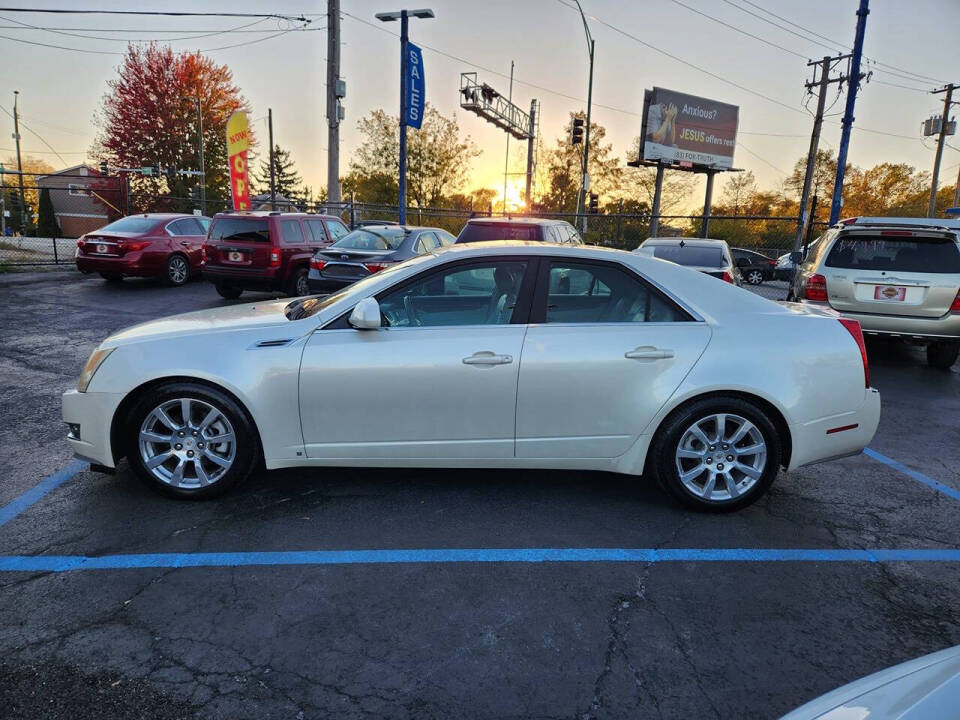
(250, 229)
(480, 232)
(305, 307)
(132, 224)
(371, 239)
(904, 254)
(696, 255)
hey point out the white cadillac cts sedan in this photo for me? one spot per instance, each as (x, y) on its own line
(487, 355)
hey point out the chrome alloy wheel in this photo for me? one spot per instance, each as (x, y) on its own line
(177, 270)
(187, 443)
(755, 277)
(721, 456)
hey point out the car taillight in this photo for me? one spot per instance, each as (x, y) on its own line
(274, 258)
(955, 308)
(771, 263)
(816, 288)
(80, 242)
(203, 254)
(376, 266)
(316, 264)
(134, 246)
(853, 327)
(727, 277)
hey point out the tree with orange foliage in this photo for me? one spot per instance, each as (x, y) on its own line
(149, 116)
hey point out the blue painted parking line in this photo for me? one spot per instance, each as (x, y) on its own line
(66, 563)
(918, 476)
(9, 512)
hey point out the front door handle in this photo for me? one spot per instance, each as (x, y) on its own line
(184, 243)
(648, 352)
(485, 357)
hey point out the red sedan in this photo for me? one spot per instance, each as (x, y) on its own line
(165, 245)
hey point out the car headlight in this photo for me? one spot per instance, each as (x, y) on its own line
(93, 364)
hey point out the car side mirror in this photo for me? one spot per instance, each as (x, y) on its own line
(742, 262)
(796, 257)
(366, 315)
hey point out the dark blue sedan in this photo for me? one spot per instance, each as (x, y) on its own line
(370, 249)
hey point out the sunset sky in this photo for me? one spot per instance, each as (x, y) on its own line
(61, 89)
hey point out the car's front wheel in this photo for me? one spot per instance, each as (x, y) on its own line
(942, 354)
(716, 454)
(191, 441)
(755, 277)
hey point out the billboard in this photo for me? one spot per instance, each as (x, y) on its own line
(687, 130)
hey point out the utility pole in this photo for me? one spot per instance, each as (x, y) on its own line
(203, 171)
(854, 81)
(585, 174)
(273, 185)
(956, 190)
(16, 136)
(506, 159)
(3, 202)
(333, 103)
(823, 83)
(530, 141)
(947, 102)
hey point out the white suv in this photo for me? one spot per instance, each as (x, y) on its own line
(899, 277)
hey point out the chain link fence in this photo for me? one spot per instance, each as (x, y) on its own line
(58, 209)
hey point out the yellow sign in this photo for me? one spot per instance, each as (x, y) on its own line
(238, 133)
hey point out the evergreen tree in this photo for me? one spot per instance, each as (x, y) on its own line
(286, 179)
(47, 225)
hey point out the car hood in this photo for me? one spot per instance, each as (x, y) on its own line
(235, 317)
(926, 687)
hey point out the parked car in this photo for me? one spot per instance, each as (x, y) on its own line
(784, 267)
(755, 267)
(920, 689)
(479, 357)
(712, 257)
(521, 228)
(367, 223)
(264, 250)
(165, 245)
(898, 277)
(370, 249)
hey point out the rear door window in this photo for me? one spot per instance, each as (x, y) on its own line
(902, 254)
(697, 256)
(240, 230)
(291, 233)
(315, 231)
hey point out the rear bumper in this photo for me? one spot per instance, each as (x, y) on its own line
(247, 279)
(853, 431)
(320, 284)
(129, 265)
(93, 413)
(945, 327)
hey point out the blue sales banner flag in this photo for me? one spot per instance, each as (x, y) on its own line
(415, 86)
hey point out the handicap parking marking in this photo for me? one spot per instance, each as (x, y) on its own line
(916, 475)
(68, 563)
(31, 496)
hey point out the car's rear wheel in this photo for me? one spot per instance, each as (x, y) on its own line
(942, 354)
(755, 277)
(177, 270)
(718, 454)
(191, 441)
(299, 285)
(229, 292)
(112, 277)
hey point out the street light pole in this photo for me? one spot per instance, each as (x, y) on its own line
(403, 16)
(581, 197)
(16, 136)
(203, 173)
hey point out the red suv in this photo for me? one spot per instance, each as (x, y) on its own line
(265, 250)
(163, 245)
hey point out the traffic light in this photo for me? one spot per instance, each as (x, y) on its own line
(594, 203)
(576, 131)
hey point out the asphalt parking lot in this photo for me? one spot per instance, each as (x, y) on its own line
(418, 594)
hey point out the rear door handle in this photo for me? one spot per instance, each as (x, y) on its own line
(648, 352)
(485, 357)
(184, 243)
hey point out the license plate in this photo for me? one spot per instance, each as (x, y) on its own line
(890, 292)
(235, 256)
(101, 248)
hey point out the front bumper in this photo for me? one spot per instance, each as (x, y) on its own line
(93, 412)
(813, 443)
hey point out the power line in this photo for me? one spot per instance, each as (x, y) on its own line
(166, 13)
(763, 160)
(28, 26)
(37, 135)
(46, 152)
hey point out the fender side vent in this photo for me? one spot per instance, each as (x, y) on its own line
(274, 343)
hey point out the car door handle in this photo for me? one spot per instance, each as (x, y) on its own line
(184, 243)
(485, 357)
(648, 352)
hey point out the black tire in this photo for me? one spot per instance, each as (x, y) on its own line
(112, 277)
(754, 277)
(228, 291)
(176, 271)
(246, 445)
(942, 355)
(298, 284)
(662, 460)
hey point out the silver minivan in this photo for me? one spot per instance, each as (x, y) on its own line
(899, 277)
